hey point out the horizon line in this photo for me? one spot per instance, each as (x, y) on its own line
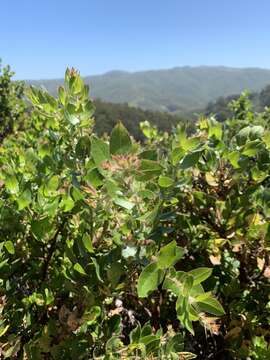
(131, 72)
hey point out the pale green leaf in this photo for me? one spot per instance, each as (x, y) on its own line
(149, 279)
(211, 305)
(99, 150)
(200, 274)
(165, 181)
(169, 255)
(10, 247)
(79, 269)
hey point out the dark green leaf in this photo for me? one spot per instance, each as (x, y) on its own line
(120, 142)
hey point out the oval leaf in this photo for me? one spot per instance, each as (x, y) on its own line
(149, 279)
(120, 142)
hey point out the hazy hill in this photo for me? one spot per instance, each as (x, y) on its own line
(180, 89)
(220, 107)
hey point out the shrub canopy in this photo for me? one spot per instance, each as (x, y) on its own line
(112, 249)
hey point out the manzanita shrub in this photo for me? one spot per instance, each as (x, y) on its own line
(12, 107)
(111, 249)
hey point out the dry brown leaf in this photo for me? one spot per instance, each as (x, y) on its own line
(233, 333)
(237, 247)
(266, 272)
(116, 311)
(212, 324)
(215, 259)
(63, 314)
(260, 263)
(211, 180)
(73, 322)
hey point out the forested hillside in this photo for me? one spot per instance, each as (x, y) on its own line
(108, 114)
(181, 89)
(13, 111)
(222, 110)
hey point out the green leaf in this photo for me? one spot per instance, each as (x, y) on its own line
(126, 204)
(83, 147)
(49, 298)
(77, 84)
(94, 178)
(189, 144)
(256, 132)
(40, 228)
(3, 330)
(12, 184)
(149, 339)
(50, 188)
(234, 157)
(146, 329)
(215, 129)
(97, 268)
(114, 273)
(10, 247)
(243, 135)
(187, 284)
(67, 203)
(177, 154)
(175, 344)
(76, 194)
(211, 305)
(258, 175)
(24, 199)
(200, 274)
(99, 151)
(72, 118)
(149, 131)
(190, 160)
(113, 345)
(149, 170)
(120, 142)
(266, 139)
(169, 255)
(252, 148)
(79, 269)
(183, 312)
(87, 243)
(135, 334)
(151, 216)
(62, 95)
(149, 155)
(165, 181)
(174, 281)
(112, 188)
(149, 279)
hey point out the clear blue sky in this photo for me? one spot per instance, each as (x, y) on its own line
(39, 38)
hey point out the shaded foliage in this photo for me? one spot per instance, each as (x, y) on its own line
(12, 107)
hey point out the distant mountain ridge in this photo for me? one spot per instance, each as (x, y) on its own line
(181, 89)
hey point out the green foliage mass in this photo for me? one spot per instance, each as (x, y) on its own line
(12, 107)
(112, 249)
(221, 107)
(108, 114)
